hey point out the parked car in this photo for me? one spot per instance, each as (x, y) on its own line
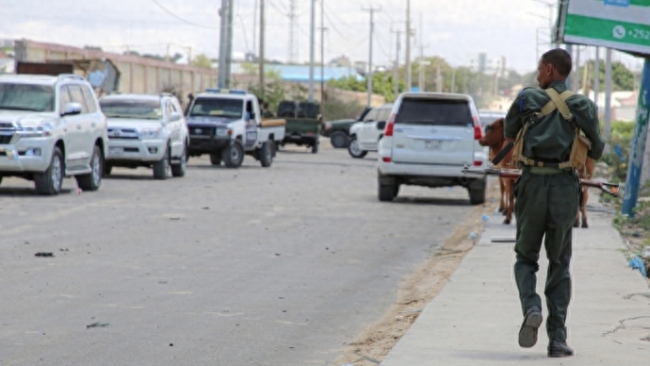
(51, 127)
(427, 141)
(487, 117)
(146, 131)
(365, 135)
(227, 124)
(339, 130)
(303, 123)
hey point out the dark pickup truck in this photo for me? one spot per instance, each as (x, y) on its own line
(339, 130)
(303, 123)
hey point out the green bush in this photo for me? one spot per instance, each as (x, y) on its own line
(621, 136)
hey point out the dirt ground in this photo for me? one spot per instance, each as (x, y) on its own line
(374, 342)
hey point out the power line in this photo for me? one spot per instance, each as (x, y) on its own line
(181, 19)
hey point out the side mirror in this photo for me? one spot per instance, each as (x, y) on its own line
(247, 116)
(381, 125)
(71, 109)
(175, 116)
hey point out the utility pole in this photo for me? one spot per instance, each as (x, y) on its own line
(396, 64)
(372, 11)
(608, 97)
(223, 40)
(292, 31)
(312, 46)
(575, 81)
(322, 58)
(261, 57)
(255, 26)
(597, 76)
(453, 79)
(408, 46)
(231, 16)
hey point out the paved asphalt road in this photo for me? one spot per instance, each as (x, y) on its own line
(253, 266)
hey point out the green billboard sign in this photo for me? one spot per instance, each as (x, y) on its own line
(618, 24)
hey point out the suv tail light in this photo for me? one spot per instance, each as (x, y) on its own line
(478, 130)
(390, 125)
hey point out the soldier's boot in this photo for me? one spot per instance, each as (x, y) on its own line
(559, 349)
(529, 327)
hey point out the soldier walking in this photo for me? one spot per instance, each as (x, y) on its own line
(544, 123)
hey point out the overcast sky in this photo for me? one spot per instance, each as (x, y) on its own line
(454, 29)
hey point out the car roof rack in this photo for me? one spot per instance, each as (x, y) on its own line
(72, 77)
(225, 91)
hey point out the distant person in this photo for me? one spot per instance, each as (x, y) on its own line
(547, 193)
(266, 111)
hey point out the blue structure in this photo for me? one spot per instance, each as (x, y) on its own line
(300, 73)
(637, 148)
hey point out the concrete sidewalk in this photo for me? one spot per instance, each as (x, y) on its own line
(475, 319)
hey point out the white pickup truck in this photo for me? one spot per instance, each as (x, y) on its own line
(227, 124)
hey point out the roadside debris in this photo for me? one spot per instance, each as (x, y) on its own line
(637, 263)
(473, 235)
(44, 254)
(97, 325)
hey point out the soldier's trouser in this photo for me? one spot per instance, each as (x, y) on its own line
(545, 206)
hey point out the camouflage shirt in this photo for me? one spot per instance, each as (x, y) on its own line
(550, 138)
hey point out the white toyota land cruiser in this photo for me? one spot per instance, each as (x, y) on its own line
(51, 127)
(146, 130)
(428, 140)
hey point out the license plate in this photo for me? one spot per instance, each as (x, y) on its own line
(115, 150)
(432, 144)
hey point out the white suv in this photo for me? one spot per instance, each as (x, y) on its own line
(146, 130)
(428, 140)
(51, 127)
(365, 135)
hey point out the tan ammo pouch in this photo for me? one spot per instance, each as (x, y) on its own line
(581, 144)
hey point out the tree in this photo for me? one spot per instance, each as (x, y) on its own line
(622, 77)
(202, 61)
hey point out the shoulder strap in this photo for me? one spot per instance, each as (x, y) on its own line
(558, 101)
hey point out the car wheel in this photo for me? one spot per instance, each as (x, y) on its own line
(477, 191)
(161, 168)
(178, 170)
(354, 149)
(266, 153)
(49, 182)
(233, 155)
(339, 140)
(387, 191)
(215, 158)
(93, 180)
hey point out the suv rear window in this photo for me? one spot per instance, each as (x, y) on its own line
(438, 112)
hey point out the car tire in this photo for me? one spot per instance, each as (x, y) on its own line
(178, 170)
(215, 158)
(387, 189)
(93, 180)
(314, 147)
(108, 168)
(477, 192)
(162, 168)
(266, 153)
(0, 180)
(339, 140)
(49, 182)
(354, 149)
(233, 155)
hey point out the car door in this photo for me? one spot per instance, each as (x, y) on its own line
(374, 133)
(71, 129)
(251, 125)
(367, 126)
(434, 131)
(174, 128)
(82, 132)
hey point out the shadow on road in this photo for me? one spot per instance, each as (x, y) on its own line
(432, 201)
(25, 192)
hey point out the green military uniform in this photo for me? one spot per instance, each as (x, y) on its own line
(547, 197)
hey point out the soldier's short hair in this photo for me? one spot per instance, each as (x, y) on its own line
(560, 59)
